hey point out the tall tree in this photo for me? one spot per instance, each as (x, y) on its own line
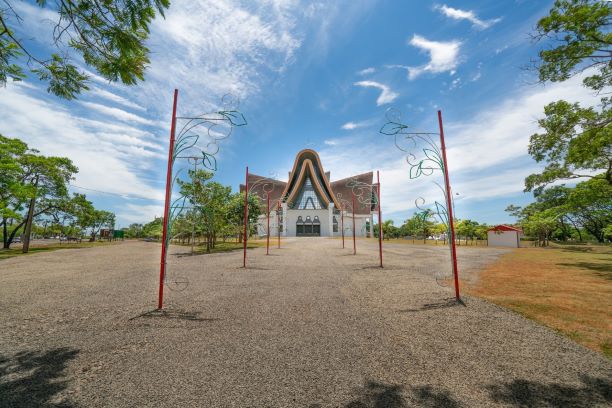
(29, 182)
(46, 182)
(577, 141)
(109, 35)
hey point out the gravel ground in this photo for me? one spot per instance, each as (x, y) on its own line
(311, 325)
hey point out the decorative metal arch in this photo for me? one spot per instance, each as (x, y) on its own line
(198, 142)
(431, 158)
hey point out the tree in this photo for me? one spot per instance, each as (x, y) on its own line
(135, 231)
(591, 204)
(585, 209)
(98, 219)
(577, 141)
(209, 200)
(235, 212)
(390, 231)
(153, 229)
(29, 181)
(108, 35)
(540, 226)
(467, 228)
(419, 224)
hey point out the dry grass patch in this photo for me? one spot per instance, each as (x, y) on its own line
(567, 288)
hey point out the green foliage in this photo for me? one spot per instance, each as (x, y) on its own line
(390, 231)
(580, 31)
(577, 141)
(153, 229)
(135, 231)
(566, 213)
(109, 35)
(35, 187)
(215, 212)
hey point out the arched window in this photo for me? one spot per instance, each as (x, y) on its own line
(299, 226)
(316, 226)
(308, 225)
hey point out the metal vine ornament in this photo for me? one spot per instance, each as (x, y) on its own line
(430, 159)
(267, 186)
(197, 141)
(368, 196)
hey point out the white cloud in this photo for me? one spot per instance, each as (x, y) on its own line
(94, 90)
(458, 14)
(118, 113)
(456, 83)
(109, 159)
(208, 48)
(350, 126)
(135, 213)
(367, 71)
(386, 94)
(330, 142)
(487, 153)
(443, 56)
(357, 125)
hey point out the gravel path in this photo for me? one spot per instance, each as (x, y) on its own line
(311, 325)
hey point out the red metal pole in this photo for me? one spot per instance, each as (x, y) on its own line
(380, 230)
(268, 234)
(162, 266)
(278, 227)
(449, 206)
(246, 216)
(342, 218)
(354, 244)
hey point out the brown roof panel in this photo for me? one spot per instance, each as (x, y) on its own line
(342, 188)
(259, 185)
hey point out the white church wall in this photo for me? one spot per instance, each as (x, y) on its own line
(292, 217)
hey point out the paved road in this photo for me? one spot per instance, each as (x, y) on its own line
(311, 325)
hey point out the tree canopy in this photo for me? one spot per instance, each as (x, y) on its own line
(577, 141)
(35, 187)
(107, 35)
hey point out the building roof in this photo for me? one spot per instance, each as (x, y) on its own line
(307, 164)
(504, 228)
(344, 188)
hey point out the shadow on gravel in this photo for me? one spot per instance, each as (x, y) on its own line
(446, 303)
(33, 378)
(379, 395)
(524, 393)
(174, 314)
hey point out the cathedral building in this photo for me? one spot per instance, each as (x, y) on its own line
(310, 204)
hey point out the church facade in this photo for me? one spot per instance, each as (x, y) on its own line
(310, 204)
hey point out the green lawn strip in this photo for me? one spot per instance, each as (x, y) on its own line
(13, 252)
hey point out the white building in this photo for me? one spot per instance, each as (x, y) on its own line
(504, 235)
(309, 204)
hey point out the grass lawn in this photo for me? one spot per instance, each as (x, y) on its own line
(567, 288)
(200, 249)
(34, 248)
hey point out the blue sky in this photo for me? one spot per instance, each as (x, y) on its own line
(308, 74)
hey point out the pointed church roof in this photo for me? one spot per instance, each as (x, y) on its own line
(308, 165)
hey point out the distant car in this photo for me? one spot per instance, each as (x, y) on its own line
(149, 239)
(16, 240)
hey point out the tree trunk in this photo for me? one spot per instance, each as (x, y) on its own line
(4, 234)
(29, 221)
